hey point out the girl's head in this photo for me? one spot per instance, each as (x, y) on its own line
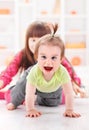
(35, 30)
(49, 51)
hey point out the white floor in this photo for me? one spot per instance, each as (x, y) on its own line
(52, 118)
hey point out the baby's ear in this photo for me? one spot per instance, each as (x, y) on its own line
(61, 59)
(36, 58)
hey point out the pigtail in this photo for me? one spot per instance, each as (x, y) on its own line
(55, 27)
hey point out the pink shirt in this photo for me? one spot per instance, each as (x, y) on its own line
(11, 70)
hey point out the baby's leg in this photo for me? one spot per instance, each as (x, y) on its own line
(17, 95)
(7, 97)
(18, 92)
(49, 99)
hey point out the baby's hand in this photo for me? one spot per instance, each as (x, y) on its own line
(33, 113)
(71, 113)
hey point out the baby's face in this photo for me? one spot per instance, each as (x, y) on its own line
(32, 43)
(49, 58)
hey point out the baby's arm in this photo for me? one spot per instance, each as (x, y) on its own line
(30, 101)
(69, 101)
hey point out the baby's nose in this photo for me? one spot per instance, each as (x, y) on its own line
(48, 62)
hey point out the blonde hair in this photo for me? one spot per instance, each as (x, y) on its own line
(50, 39)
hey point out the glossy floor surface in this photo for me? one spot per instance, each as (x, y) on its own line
(52, 118)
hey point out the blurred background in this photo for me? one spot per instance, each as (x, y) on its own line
(71, 15)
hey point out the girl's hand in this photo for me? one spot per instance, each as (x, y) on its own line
(80, 91)
(33, 113)
(71, 113)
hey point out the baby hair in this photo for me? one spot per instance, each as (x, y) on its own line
(52, 40)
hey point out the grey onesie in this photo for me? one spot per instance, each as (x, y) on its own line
(18, 91)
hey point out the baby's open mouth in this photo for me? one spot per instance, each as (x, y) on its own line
(48, 68)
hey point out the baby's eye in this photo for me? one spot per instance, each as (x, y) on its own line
(54, 57)
(43, 57)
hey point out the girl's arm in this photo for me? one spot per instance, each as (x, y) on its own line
(11, 70)
(1, 84)
(69, 101)
(76, 81)
(71, 71)
(30, 101)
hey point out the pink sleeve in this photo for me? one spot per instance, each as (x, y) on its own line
(11, 70)
(71, 72)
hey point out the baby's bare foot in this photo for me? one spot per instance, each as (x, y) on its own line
(11, 106)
